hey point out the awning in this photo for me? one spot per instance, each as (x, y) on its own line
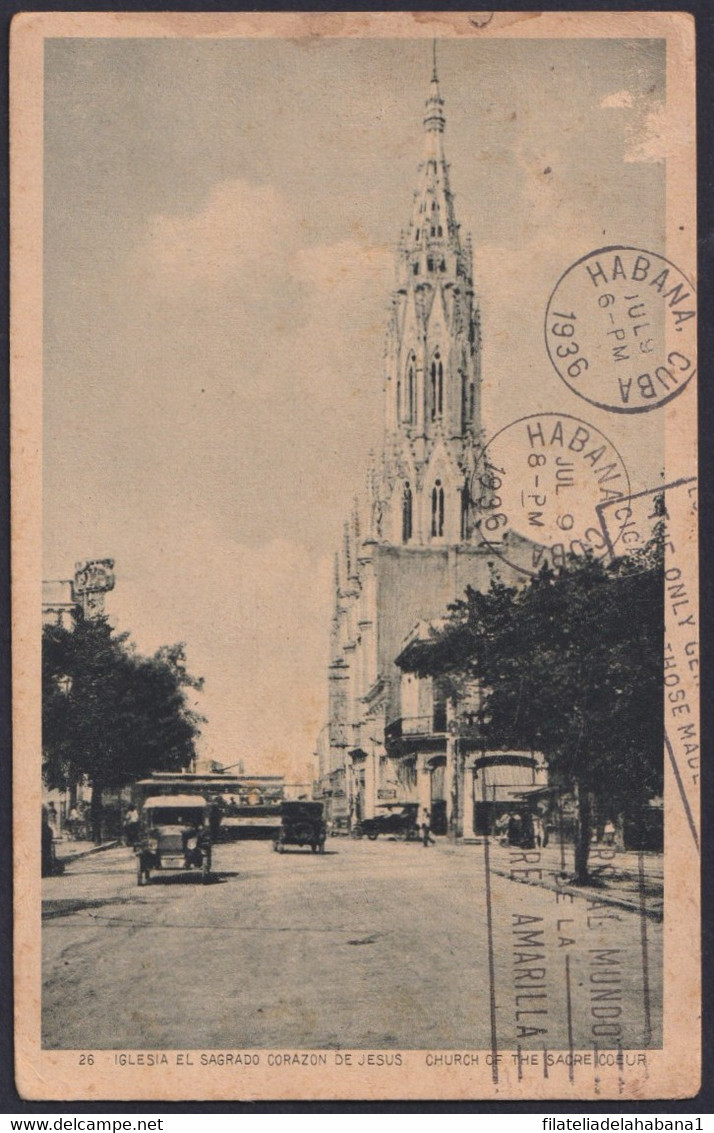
(184, 801)
(505, 794)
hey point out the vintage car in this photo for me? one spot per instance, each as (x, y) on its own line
(397, 819)
(302, 823)
(175, 833)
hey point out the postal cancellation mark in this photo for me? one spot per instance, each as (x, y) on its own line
(620, 329)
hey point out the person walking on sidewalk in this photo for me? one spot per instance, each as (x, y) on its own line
(426, 837)
(53, 820)
(131, 826)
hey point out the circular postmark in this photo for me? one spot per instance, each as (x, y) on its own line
(537, 486)
(621, 329)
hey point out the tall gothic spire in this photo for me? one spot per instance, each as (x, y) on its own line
(432, 359)
(433, 228)
(434, 120)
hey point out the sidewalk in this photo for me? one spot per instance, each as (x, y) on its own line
(622, 878)
(70, 850)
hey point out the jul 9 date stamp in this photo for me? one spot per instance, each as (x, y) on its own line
(621, 329)
(537, 487)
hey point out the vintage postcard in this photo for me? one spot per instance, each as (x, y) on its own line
(355, 556)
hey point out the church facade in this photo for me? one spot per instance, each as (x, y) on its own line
(410, 547)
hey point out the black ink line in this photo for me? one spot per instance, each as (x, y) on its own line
(520, 1063)
(545, 1061)
(680, 785)
(491, 968)
(645, 955)
(569, 1005)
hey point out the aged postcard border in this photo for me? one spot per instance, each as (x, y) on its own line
(48, 1075)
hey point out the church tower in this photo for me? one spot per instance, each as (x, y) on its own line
(432, 365)
(412, 551)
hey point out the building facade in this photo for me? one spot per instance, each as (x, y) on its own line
(65, 599)
(410, 546)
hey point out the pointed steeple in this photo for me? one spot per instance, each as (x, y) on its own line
(434, 120)
(432, 239)
(432, 356)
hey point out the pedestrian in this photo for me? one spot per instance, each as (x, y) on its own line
(500, 829)
(426, 837)
(527, 831)
(538, 831)
(131, 826)
(48, 844)
(514, 830)
(608, 833)
(53, 820)
(73, 822)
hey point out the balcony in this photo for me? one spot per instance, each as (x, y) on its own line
(417, 733)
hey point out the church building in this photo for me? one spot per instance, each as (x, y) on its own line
(410, 548)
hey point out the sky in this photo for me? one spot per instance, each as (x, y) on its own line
(220, 224)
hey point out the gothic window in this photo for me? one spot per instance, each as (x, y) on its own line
(464, 513)
(437, 386)
(415, 268)
(441, 231)
(442, 265)
(433, 390)
(430, 263)
(411, 389)
(464, 403)
(417, 235)
(433, 230)
(433, 206)
(406, 514)
(437, 510)
(472, 402)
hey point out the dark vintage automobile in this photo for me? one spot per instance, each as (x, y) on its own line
(398, 819)
(175, 833)
(301, 824)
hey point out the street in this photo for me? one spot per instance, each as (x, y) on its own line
(372, 945)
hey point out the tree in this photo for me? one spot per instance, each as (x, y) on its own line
(571, 665)
(110, 714)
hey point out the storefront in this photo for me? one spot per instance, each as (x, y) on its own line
(501, 784)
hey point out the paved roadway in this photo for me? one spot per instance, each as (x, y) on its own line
(371, 945)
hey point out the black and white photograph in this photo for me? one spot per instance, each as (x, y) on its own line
(355, 600)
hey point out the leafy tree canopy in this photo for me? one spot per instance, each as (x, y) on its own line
(110, 714)
(571, 665)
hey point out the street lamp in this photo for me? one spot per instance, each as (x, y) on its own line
(64, 684)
